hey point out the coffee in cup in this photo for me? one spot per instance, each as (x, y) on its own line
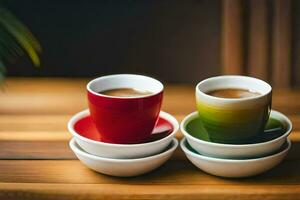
(125, 92)
(233, 93)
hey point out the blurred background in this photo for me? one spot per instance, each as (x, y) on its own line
(175, 41)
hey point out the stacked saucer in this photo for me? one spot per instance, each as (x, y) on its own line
(234, 132)
(124, 132)
(236, 160)
(122, 160)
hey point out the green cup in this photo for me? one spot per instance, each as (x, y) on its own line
(233, 120)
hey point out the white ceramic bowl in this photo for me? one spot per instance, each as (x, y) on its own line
(219, 150)
(121, 151)
(235, 168)
(123, 167)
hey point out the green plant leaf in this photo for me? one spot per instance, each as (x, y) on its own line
(16, 37)
(9, 49)
(2, 72)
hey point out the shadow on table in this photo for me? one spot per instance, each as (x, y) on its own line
(179, 170)
(287, 172)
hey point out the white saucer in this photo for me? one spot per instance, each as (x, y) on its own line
(123, 151)
(235, 168)
(123, 167)
(236, 151)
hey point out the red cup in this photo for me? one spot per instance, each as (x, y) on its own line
(125, 120)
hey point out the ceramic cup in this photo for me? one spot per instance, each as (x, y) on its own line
(124, 120)
(233, 120)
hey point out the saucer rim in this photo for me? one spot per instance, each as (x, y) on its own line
(227, 160)
(76, 150)
(75, 118)
(192, 115)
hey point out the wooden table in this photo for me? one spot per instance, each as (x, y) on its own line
(36, 162)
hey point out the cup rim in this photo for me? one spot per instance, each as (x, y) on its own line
(233, 99)
(75, 118)
(200, 156)
(172, 146)
(88, 86)
(194, 114)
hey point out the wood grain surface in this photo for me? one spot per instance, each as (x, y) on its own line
(36, 162)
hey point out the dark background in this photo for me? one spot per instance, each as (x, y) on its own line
(173, 40)
(176, 41)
